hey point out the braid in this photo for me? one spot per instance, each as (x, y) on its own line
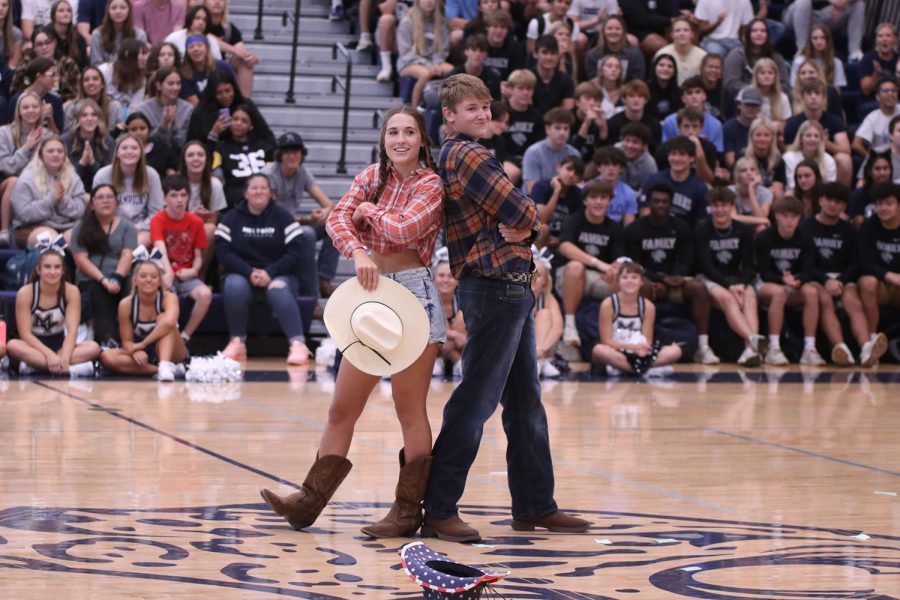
(384, 166)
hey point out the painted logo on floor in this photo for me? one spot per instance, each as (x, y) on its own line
(246, 547)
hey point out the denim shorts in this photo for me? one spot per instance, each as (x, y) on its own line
(420, 283)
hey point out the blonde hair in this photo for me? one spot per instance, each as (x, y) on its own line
(774, 153)
(522, 78)
(774, 94)
(744, 161)
(38, 169)
(17, 127)
(797, 145)
(100, 134)
(457, 88)
(417, 22)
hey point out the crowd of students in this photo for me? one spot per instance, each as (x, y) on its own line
(687, 136)
(130, 136)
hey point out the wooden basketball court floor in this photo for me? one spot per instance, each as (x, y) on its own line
(765, 484)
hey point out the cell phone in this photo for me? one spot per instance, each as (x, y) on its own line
(224, 113)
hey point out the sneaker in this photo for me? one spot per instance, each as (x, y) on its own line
(457, 370)
(438, 370)
(298, 355)
(337, 13)
(749, 358)
(180, 370)
(774, 356)
(85, 369)
(873, 350)
(385, 74)
(855, 56)
(705, 356)
(235, 350)
(25, 369)
(611, 371)
(811, 358)
(547, 370)
(4, 238)
(165, 371)
(841, 355)
(571, 337)
(654, 372)
(4, 364)
(365, 41)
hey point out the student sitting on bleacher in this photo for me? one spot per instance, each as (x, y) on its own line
(68, 41)
(785, 263)
(168, 114)
(159, 154)
(40, 78)
(776, 104)
(665, 94)
(878, 168)
(148, 326)
(763, 148)
(663, 244)
(207, 196)
(196, 22)
(590, 242)
(526, 123)
(209, 120)
(874, 132)
(258, 245)
(836, 142)
(836, 270)
(879, 256)
(541, 158)
(820, 49)
(809, 144)
(88, 143)
(166, 54)
(48, 197)
(18, 142)
(807, 176)
(635, 142)
(179, 237)
(48, 313)
(93, 86)
(738, 68)
(125, 78)
(423, 46)
(289, 181)
(117, 26)
(241, 152)
(137, 185)
(101, 245)
(556, 198)
(810, 70)
(881, 61)
(199, 64)
(505, 52)
(44, 45)
(232, 44)
(724, 249)
(752, 199)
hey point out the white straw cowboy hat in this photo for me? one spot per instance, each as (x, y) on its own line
(380, 332)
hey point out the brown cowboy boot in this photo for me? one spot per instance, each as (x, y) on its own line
(405, 516)
(302, 508)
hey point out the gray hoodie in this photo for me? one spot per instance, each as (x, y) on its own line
(12, 159)
(176, 137)
(137, 208)
(30, 207)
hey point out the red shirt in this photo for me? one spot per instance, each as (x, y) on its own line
(181, 237)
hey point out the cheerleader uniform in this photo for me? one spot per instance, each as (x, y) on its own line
(142, 329)
(48, 324)
(628, 329)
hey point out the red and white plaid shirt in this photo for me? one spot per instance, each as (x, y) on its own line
(409, 213)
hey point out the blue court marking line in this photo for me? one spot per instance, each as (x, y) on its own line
(174, 438)
(842, 461)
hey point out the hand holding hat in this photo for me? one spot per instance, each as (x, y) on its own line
(380, 332)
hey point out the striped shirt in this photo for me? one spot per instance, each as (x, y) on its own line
(407, 216)
(479, 197)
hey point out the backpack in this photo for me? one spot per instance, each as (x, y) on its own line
(19, 268)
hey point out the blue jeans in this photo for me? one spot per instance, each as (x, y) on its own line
(281, 296)
(308, 269)
(499, 366)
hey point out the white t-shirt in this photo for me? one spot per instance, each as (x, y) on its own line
(533, 28)
(38, 11)
(588, 9)
(795, 157)
(737, 14)
(688, 65)
(874, 128)
(784, 108)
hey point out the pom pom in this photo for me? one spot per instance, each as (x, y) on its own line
(213, 369)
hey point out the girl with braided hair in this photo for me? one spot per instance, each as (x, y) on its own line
(387, 223)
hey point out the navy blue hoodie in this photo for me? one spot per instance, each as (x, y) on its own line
(269, 241)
